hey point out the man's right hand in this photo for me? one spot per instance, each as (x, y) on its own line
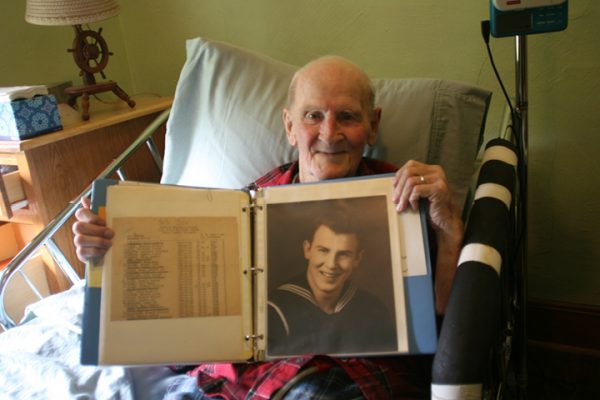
(92, 237)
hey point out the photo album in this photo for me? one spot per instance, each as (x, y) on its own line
(213, 275)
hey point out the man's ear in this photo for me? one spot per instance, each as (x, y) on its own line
(359, 257)
(306, 247)
(375, 120)
(287, 123)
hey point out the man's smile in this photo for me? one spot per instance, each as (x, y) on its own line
(329, 274)
(330, 152)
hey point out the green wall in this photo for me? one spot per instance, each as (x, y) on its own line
(35, 54)
(389, 38)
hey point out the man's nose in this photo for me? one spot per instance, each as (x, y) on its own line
(330, 261)
(329, 129)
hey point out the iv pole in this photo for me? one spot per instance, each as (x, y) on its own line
(521, 126)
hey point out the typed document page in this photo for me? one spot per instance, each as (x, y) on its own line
(175, 267)
(173, 287)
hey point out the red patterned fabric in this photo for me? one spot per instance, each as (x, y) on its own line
(404, 377)
(284, 174)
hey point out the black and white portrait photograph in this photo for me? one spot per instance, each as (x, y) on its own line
(329, 275)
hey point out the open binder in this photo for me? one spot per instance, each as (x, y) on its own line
(201, 275)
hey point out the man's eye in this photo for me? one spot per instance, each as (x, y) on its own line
(347, 116)
(312, 115)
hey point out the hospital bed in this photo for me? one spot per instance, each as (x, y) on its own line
(224, 130)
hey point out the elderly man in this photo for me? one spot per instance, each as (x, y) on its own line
(330, 117)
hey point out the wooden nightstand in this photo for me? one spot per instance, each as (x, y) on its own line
(54, 168)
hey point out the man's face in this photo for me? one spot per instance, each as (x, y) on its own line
(332, 258)
(330, 124)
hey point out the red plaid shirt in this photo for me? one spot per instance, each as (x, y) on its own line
(378, 378)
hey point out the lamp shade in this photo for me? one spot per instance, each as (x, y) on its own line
(69, 12)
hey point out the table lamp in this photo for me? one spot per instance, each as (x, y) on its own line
(89, 50)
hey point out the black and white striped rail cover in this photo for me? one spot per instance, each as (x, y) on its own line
(473, 314)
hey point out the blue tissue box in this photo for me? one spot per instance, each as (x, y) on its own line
(27, 118)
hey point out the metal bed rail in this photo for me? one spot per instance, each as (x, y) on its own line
(44, 238)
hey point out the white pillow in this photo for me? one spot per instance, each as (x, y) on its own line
(225, 128)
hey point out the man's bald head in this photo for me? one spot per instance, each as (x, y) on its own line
(324, 69)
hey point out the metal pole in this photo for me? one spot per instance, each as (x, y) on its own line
(521, 275)
(521, 81)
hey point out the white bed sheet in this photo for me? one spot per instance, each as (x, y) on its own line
(39, 359)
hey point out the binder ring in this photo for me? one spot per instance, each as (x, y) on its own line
(254, 270)
(251, 207)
